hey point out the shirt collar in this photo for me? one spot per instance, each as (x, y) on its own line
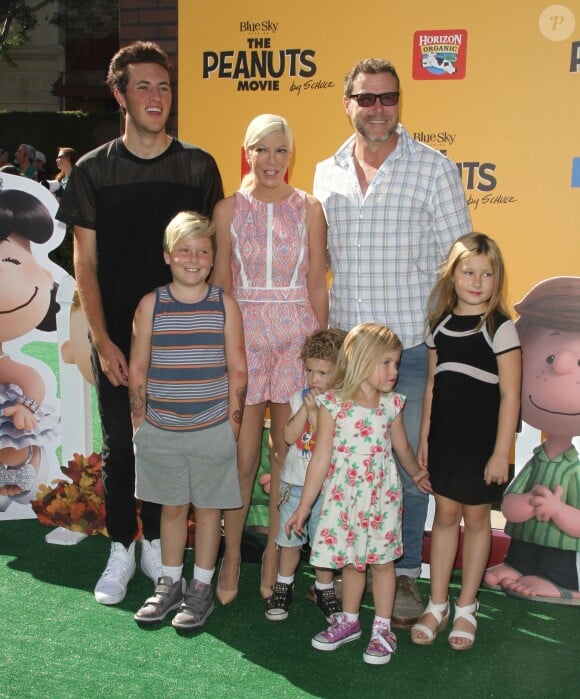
(570, 455)
(344, 158)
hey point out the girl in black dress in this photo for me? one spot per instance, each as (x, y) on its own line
(470, 414)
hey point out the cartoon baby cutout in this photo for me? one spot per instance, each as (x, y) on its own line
(27, 301)
(542, 504)
(77, 349)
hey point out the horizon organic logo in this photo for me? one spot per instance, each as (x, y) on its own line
(439, 54)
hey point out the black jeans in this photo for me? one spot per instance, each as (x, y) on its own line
(119, 463)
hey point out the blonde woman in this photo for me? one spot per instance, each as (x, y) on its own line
(271, 255)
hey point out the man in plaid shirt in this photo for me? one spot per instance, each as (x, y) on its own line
(394, 207)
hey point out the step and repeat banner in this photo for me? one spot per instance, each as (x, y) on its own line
(495, 85)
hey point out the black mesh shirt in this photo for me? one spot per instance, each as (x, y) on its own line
(129, 201)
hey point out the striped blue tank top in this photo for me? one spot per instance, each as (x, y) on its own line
(187, 386)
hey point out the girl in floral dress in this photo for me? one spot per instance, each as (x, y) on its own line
(360, 521)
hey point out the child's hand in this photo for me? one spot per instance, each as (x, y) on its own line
(310, 405)
(23, 417)
(496, 470)
(421, 480)
(310, 397)
(423, 454)
(296, 522)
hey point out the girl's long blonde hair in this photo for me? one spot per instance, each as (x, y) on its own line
(443, 297)
(362, 350)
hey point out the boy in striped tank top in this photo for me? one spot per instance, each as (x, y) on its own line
(187, 386)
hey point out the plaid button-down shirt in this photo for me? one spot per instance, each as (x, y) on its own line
(387, 245)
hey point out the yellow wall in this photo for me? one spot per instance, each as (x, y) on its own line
(512, 121)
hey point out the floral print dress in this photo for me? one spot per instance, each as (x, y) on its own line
(360, 521)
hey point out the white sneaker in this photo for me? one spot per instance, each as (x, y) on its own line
(112, 585)
(151, 559)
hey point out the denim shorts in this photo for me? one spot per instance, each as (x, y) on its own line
(289, 500)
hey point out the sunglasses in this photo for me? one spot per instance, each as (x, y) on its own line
(367, 99)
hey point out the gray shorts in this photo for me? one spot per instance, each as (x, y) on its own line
(175, 468)
(289, 500)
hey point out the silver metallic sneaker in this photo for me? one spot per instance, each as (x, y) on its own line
(196, 607)
(166, 597)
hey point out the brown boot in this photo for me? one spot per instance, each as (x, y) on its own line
(408, 603)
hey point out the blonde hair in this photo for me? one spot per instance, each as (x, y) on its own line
(362, 349)
(263, 125)
(443, 297)
(260, 127)
(188, 225)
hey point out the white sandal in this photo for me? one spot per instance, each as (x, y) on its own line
(440, 612)
(468, 613)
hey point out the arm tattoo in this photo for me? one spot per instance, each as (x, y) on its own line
(238, 414)
(137, 400)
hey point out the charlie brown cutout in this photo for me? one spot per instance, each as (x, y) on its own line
(542, 504)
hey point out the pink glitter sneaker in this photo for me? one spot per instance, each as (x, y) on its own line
(339, 632)
(382, 645)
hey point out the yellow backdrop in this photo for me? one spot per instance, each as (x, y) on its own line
(496, 85)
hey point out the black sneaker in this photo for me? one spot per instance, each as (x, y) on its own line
(277, 605)
(166, 597)
(327, 602)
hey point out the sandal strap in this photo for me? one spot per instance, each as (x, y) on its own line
(438, 611)
(468, 613)
(429, 633)
(462, 634)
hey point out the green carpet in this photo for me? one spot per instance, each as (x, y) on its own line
(59, 643)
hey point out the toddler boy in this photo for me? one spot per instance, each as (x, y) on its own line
(319, 354)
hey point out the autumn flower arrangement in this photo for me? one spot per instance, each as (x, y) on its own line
(77, 504)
